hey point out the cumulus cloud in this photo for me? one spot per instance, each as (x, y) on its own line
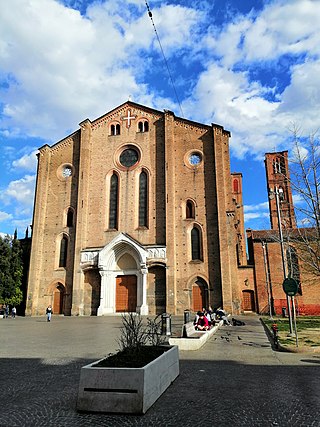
(234, 89)
(21, 191)
(77, 66)
(4, 216)
(27, 162)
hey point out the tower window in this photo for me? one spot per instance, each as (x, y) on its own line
(113, 203)
(143, 200)
(190, 210)
(196, 244)
(235, 186)
(63, 252)
(70, 218)
(279, 165)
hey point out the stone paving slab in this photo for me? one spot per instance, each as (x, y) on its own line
(236, 379)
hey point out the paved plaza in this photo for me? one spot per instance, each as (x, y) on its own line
(236, 379)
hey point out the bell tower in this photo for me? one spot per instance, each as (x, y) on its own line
(279, 189)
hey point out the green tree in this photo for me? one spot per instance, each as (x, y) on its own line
(11, 270)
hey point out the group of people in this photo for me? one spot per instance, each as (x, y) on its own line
(6, 309)
(207, 318)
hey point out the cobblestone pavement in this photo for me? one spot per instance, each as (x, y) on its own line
(236, 379)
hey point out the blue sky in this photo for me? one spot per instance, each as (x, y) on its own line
(251, 66)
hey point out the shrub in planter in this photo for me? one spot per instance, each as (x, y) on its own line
(131, 380)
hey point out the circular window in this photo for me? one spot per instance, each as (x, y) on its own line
(129, 157)
(195, 159)
(66, 171)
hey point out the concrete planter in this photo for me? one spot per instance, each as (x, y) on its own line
(126, 390)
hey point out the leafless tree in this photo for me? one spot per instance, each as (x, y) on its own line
(305, 183)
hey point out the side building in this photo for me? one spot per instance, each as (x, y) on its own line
(266, 256)
(137, 211)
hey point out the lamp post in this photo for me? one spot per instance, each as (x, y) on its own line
(268, 283)
(278, 194)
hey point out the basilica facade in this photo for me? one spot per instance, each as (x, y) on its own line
(137, 211)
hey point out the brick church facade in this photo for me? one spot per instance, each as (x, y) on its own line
(137, 211)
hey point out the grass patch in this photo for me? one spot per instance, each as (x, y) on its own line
(308, 330)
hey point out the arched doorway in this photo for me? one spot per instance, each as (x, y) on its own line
(123, 270)
(199, 295)
(58, 299)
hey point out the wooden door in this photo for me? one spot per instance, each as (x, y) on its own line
(58, 301)
(126, 293)
(198, 297)
(248, 300)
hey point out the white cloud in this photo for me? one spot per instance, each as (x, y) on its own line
(21, 191)
(284, 27)
(74, 66)
(27, 162)
(254, 215)
(4, 216)
(256, 208)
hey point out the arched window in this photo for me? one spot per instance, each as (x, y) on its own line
(143, 126)
(143, 199)
(70, 218)
(235, 186)
(115, 129)
(113, 202)
(279, 165)
(196, 244)
(63, 252)
(190, 210)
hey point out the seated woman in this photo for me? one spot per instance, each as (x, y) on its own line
(196, 318)
(202, 323)
(223, 315)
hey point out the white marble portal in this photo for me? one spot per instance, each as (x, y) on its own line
(108, 260)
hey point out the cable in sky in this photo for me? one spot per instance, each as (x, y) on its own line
(165, 60)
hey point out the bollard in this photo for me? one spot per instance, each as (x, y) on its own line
(186, 316)
(166, 324)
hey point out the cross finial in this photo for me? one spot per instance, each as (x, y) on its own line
(128, 118)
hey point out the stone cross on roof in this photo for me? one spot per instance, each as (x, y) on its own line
(128, 118)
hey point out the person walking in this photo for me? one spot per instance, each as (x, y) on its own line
(6, 309)
(49, 313)
(13, 312)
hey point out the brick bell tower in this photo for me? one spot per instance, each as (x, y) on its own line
(278, 180)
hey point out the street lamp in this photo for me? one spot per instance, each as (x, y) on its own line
(268, 283)
(279, 195)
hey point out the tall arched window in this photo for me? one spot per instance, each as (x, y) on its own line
(235, 186)
(113, 202)
(63, 252)
(196, 244)
(70, 218)
(143, 199)
(190, 210)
